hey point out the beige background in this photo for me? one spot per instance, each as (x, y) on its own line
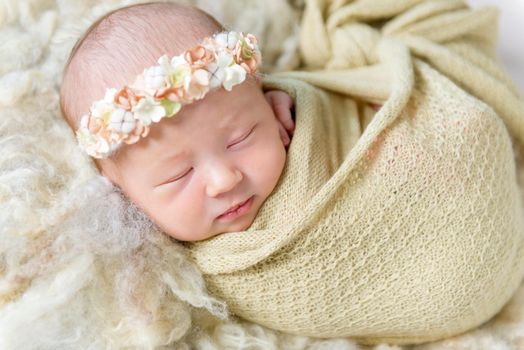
(511, 35)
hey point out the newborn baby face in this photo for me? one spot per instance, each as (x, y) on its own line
(191, 173)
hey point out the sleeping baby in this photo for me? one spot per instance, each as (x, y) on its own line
(204, 168)
(382, 225)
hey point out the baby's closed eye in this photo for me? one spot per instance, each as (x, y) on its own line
(238, 141)
(242, 138)
(177, 177)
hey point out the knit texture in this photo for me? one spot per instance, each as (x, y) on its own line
(403, 226)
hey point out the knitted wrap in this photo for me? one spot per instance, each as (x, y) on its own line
(401, 226)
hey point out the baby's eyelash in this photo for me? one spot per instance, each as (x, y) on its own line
(178, 177)
(243, 138)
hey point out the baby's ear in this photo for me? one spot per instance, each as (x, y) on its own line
(282, 104)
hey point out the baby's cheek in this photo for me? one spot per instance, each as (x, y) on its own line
(270, 160)
(181, 215)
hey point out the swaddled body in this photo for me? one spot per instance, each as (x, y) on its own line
(423, 239)
(406, 230)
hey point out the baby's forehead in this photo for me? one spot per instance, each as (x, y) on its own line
(219, 116)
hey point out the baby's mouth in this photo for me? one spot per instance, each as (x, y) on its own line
(237, 210)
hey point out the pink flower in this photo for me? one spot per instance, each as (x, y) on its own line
(247, 54)
(197, 85)
(126, 99)
(198, 57)
(138, 132)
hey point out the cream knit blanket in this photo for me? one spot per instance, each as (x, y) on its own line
(405, 226)
(80, 268)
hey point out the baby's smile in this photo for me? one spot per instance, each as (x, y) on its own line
(236, 211)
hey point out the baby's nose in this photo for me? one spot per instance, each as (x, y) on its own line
(221, 179)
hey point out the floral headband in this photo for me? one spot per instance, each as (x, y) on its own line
(124, 116)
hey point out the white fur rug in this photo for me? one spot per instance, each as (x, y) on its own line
(69, 257)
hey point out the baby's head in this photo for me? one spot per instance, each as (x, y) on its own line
(215, 153)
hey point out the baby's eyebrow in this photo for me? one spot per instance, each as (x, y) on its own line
(171, 157)
(229, 120)
(157, 168)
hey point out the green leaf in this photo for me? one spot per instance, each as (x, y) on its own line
(246, 50)
(171, 107)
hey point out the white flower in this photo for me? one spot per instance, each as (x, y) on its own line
(155, 76)
(121, 121)
(148, 110)
(196, 85)
(93, 145)
(225, 72)
(218, 69)
(178, 70)
(221, 39)
(178, 60)
(228, 39)
(234, 75)
(102, 109)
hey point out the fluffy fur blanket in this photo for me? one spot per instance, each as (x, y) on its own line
(81, 267)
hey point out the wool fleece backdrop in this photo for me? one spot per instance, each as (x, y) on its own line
(401, 226)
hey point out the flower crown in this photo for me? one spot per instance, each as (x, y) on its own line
(124, 116)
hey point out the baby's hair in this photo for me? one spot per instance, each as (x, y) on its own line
(119, 45)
